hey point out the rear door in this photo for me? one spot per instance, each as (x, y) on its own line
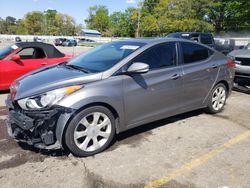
(199, 73)
(155, 94)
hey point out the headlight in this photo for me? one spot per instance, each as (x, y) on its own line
(46, 99)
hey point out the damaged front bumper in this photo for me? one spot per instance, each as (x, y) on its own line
(37, 128)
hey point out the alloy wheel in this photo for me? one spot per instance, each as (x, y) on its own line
(92, 131)
(219, 98)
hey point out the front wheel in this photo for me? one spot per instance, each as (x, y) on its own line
(217, 99)
(90, 131)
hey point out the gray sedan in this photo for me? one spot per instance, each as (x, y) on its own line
(81, 104)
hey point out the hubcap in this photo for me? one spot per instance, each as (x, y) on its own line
(219, 98)
(92, 132)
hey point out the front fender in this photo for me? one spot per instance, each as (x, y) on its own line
(107, 92)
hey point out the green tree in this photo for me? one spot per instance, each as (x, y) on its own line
(229, 15)
(34, 22)
(50, 25)
(165, 16)
(99, 19)
(21, 28)
(10, 25)
(3, 28)
(149, 26)
(123, 24)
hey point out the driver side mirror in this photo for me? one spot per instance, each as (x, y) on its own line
(138, 67)
(15, 58)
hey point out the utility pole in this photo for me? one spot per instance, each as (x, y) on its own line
(140, 5)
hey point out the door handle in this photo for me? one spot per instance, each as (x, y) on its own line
(176, 76)
(43, 63)
(214, 66)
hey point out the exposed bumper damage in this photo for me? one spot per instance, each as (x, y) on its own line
(37, 128)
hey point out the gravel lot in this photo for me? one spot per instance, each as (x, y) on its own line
(190, 150)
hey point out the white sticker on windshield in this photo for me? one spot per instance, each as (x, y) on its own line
(129, 47)
(14, 47)
(185, 34)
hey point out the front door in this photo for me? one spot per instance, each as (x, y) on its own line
(155, 94)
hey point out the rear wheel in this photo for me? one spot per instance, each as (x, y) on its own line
(90, 131)
(217, 99)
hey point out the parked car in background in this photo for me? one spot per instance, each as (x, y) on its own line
(86, 41)
(242, 60)
(36, 39)
(83, 103)
(225, 45)
(69, 42)
(59, 41)
(204, 38)
(21, 58)
(18, 39)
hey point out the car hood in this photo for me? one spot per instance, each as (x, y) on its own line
(240, 53)
(50, 78)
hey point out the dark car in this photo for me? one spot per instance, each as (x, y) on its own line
(69, 42)
(81, 104)
(204, 38)
(59, 41)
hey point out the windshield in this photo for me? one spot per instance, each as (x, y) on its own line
(105, 56)
(6, 51)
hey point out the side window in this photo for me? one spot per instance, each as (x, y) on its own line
(162, 55)
(26, 53)
(206, 39)
(194, 52)
(31, 53)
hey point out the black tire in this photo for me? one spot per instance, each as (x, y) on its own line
(210, 108)
(69, 134)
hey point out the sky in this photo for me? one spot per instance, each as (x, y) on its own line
(78, 9)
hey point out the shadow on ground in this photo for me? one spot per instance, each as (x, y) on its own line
(131, 137)
(4, 92)
(134, 136)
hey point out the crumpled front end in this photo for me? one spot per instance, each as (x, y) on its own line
(36, 127)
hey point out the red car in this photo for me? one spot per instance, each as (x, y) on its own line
(21, 58)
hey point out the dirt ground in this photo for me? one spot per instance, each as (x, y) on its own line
(168, 149)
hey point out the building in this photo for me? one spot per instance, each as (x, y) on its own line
(90, 33)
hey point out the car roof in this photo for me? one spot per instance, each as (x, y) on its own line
(49, 49)
(189, 33)
(156, 40)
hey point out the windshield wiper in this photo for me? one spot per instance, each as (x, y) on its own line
(77, 68)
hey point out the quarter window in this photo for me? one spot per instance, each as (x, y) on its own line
(162, 55)
(32, 53)
(194, 52)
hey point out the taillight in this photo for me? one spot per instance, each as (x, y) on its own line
(231, 63)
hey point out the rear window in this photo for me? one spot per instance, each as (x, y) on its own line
(194, 52)
(206, 39)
